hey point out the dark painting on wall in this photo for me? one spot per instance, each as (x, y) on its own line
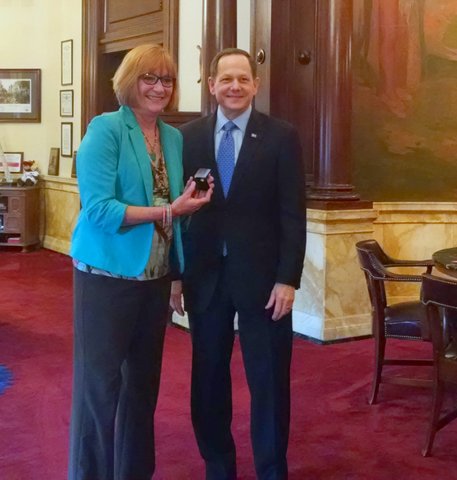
(405, 100)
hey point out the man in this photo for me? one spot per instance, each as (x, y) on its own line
(243, 254)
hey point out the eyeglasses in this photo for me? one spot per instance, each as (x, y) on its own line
(151, 79)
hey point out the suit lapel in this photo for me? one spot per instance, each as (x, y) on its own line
(209, 135)
(251, 142)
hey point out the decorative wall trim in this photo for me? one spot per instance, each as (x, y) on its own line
(416, 212)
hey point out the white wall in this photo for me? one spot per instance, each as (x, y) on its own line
(30, 36)
(243, 18)
(190, 36)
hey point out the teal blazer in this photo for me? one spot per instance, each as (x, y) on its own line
(114, 171)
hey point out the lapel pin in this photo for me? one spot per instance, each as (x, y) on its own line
(254, 135)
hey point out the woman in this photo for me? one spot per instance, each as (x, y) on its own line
(125, 245)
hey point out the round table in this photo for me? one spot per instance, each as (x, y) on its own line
(446, 261)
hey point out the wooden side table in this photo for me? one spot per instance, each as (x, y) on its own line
(19, 216)
(446, 261)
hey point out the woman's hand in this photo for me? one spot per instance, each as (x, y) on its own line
(192, 199)
(201, 193)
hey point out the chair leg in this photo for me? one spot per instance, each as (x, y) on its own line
(380, 346)
(437, 402)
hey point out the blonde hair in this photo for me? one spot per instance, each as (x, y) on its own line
(143, 59)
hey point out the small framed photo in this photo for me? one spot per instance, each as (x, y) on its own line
(14, 162)
(20, 95)
(66, 62)
(66, 103)
(66, 139)
(73, 166)
(54, 156)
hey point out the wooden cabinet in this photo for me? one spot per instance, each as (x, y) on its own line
(284, 45)
(19, 216)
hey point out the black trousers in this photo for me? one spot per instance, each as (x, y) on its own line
(119, 328)
(266, 348)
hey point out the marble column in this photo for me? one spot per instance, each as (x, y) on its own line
(332, 302)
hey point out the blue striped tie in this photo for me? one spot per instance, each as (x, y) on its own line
(226, 157)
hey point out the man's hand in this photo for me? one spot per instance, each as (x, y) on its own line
(176, 297)
(282, 298)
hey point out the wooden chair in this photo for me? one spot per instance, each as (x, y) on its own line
(440, 296)
(403, 320)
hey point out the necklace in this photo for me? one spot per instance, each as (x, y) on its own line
(152, 146)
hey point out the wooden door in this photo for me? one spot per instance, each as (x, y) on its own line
(110, 29)
(284, 45)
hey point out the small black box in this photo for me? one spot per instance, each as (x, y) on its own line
(201, 178)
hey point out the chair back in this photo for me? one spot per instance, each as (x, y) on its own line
(372, 256)
(439, 291)
(411, 316)
(440, 296)
(372, 259)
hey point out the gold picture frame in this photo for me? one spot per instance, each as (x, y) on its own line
(73, 166)
(66, 103)
(54, 157)
(20, 95)
(66, 139)
(66, 62)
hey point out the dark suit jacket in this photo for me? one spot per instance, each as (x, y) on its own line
(263, 219)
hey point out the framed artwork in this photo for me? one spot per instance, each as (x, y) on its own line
(66, 139)
(66, 62)
(20, 95)
(66, 103)
(54, 155)
(14, 162)
(73, 166)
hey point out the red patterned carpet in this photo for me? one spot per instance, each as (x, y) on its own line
(334, 434)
